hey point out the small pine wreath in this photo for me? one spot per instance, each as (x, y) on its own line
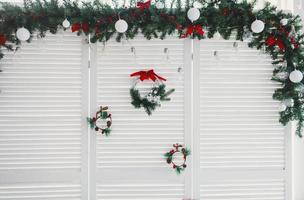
(177, 148)
(156, 95)
(102, 121)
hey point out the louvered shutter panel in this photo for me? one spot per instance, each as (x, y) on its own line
(42, 126)
(241, 143)
(130, 163)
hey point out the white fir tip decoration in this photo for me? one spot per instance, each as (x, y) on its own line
(193, 14)
(121, 26)
(284, 21)
(159, 5)
(66, 23)
(217, 35)
(296, 76)
(198, 5)
(288, 102)
(282, 107)
(23, 34)
(257, 26)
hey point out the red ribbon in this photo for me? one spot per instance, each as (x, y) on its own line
(77, 26)
(272, 41)
(146, 75)
(144, 5)
(193, 28)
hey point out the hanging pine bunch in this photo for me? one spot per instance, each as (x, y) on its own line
(156, 95)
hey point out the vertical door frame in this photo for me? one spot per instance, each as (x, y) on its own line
(188, 115)
(92, 135)
(85, 87)
(196, 117)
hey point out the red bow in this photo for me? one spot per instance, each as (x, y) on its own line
(146, 75)
(272, 41)
(144, 5)
(77, 26)
(193, 28)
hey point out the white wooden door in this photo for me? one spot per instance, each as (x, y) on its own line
(241, 144)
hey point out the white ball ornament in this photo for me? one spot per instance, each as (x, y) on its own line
(282, 107)
(288, 102)
(23, 34)
(296, 76)
(193, 14)
(217, 35)
(284, 21)
(159, 5)
(66, 23)
(121, 26)
(257, 26)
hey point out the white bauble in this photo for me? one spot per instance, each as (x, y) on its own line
(217, 35)
(66, 23)
(23, 34)
(282, 107)
(193, 14)
(296, 76)
(197, 5)
(121, 26)
(284, 21)
(257, 26)
(159, 5)
(288, 102)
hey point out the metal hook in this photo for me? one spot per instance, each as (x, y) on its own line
(166, 51)
(133, 50)
(235, 44)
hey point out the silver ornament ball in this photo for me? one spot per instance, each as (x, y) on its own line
(121, 26)
(193, 14)
(257, 26)
(66, 23)
(296, 76)
(23, 34)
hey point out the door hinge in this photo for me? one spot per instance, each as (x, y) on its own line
(89, 64)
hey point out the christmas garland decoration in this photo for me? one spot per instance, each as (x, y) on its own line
(157, 93)
(102, 121)
(275, 31)
(177, 148)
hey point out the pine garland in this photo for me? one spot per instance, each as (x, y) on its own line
(223, 16)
